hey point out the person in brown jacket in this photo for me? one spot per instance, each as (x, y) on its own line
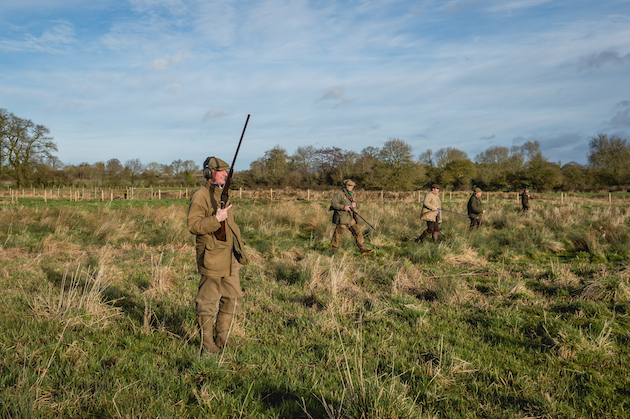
(431, 214)
(342, 205)
(218, 261)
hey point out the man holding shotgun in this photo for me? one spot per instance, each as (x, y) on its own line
(219, 249)
(343, 206)
(475, 209)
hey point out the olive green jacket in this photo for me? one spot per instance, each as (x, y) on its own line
(474, 207)
(430, 207)
(525, 199)
(339, 201)
(214, 257)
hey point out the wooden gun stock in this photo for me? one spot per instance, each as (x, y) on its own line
(220, 233)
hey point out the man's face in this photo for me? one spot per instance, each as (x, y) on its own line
(436, 190)
(349, 187)
(478, 194)
(218, 177)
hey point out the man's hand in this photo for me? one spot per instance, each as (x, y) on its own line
(347, 208)
(222, 214)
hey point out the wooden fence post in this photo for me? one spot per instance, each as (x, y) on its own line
(609, 198)
(271, 194)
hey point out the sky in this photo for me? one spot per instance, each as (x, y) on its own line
(161, 80)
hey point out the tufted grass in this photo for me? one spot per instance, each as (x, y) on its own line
(526, 317)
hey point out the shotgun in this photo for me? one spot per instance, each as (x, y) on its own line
(225, 195)
(359, 215)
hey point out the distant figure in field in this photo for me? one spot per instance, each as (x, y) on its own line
(525, 199)
(475, 209)
(342, 205)
(218, 261)
(431, 214)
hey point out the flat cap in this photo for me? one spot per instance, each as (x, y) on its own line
(215, 163)
(435, 186)
(477, 190)
(349, 182)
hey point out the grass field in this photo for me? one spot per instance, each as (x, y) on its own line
(527, 317)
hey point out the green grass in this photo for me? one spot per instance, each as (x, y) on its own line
(527, 317)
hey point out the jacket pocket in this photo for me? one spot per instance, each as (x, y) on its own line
(216, 256)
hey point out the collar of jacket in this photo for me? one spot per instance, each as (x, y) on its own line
(213, 187)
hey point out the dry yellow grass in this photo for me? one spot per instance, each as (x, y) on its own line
(77, 300)
(466, 256)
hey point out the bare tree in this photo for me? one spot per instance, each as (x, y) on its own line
(446, 155)
(190, 166)
(134, 167)
(303, 160)
(24, 145)
(177, 167)
(154, 169)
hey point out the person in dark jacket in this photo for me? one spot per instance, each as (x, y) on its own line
(475, 210)
(342, 205)
(525, 199)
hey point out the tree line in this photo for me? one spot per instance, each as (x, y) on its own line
(27, 158)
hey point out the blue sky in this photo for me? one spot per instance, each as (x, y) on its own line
(161, 80)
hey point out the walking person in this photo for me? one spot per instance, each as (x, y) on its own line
(343, 217)
(475, 210)
(218, 261)
(525, 200)
(431, 214)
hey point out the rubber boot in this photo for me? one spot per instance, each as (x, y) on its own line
(206, 325)
(364, 250)
(421, 237)
(224, 323)
(435, 237)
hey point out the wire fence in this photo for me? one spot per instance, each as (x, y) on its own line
(13, 196)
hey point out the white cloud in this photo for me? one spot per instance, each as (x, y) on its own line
(413, 72)
(335, 93)
(509, 6)
(53, 40)
(166, 62)
(174, 89)
(214, 113)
